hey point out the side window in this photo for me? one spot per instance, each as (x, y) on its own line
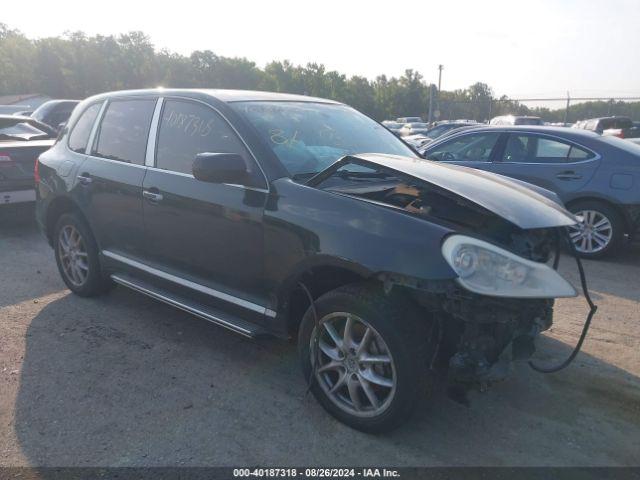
(576, 154)
(474, 147)
(534, 149)
(82, 129)
(188, 128)
(124, 130)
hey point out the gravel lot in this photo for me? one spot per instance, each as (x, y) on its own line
(122, 380)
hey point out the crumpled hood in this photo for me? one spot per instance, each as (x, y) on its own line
(524, 205)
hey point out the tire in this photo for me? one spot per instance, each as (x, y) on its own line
(611, 228)
(91, 281)
(398, 332)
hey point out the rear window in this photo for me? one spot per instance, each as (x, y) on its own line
(124, 130)
(82, 129)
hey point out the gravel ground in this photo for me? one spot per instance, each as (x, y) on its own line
(122, 380)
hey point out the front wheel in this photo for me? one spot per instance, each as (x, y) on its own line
(370, 357)
(599, 230)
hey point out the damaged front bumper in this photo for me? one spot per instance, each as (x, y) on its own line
(487, 334)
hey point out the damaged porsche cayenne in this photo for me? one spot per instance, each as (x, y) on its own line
(299, 217)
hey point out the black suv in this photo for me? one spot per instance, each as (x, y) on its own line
(289, 215)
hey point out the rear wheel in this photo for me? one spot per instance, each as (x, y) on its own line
(599, 231)
(371, 357)
(76, 254)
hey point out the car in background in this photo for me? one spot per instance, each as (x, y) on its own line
(264, 215)
(22, 139)
(416, 141)
(55, 113)
(515, 120)
(23, 113)
(621, 127)
(404, 120)
(443, 127)
(598, 178)
(393, 126)
(414, 128)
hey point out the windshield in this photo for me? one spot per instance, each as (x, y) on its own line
(308, 137)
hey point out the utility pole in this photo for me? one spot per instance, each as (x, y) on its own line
(440, 68)
(566, 112)
(430, 119)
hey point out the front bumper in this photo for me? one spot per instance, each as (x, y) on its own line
(491, 333)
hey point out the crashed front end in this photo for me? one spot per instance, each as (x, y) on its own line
(503, 246)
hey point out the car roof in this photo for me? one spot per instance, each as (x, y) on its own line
(227, 96)
(575, 133)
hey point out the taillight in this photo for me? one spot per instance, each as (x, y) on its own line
(36, 171)
(5, 160)
(621, 134)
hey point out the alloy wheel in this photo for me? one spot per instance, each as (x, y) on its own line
(355, 367)
(593, 233)
(73, 255)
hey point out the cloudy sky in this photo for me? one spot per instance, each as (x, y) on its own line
(521, 49)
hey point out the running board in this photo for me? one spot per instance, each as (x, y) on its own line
(213, 315)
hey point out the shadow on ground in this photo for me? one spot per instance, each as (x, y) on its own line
(124, 381)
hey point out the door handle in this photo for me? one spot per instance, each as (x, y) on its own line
(152, 196)
(568, 175)
(85, 179)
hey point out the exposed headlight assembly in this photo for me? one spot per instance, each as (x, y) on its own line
(489, 270)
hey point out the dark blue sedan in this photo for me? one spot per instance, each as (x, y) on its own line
(597, 177)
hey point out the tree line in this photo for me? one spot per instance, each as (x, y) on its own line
(76, 65)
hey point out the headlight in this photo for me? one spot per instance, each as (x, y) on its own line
(489, 270)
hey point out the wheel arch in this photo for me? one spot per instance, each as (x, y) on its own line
(59, 206)
(319, 275)
(592, 198)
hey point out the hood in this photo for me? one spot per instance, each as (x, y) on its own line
(518, 202)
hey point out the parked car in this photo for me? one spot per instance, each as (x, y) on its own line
(443, 127)
(621, 127)
(515, 120)
(596, 177)
(414, 129)
(403, 120)
(416, 141)
(55, 113)
(260, 213)
(22, 139)
(393, 126)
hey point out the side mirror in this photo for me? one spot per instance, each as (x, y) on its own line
(219, 168)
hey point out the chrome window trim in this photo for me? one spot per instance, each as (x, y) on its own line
(117, 162)
(189, 284)
(94, 130)
(596, 155)
(96, 127)
(255, 159)
(150, 154)
(188, 175)
(75, 124)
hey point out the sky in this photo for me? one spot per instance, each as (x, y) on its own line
(522, 49)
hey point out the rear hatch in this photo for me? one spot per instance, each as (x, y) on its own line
(17, 160)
